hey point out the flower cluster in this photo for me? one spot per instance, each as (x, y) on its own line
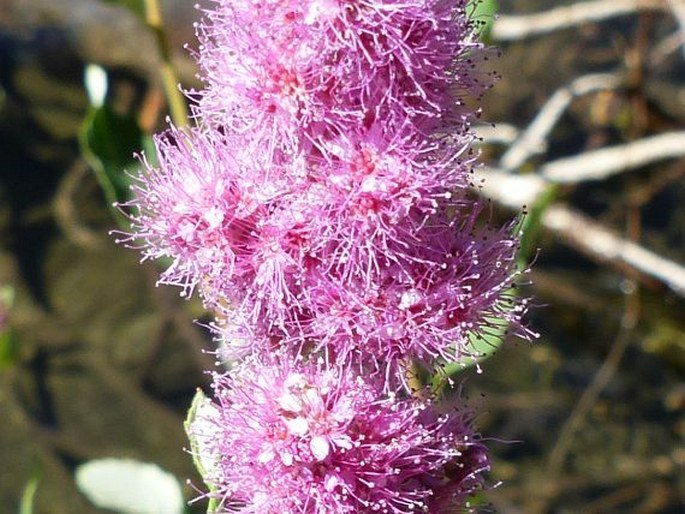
(318, 439)
(299, 74)
(321, 209)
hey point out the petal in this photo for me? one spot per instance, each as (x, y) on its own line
(287, 458)
(297, 426)
(320, 447)
(330, 482)
(290, 403)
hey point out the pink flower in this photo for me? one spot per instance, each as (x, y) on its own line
(378, 195)
(208, 207)
(321, 209)
(296, 72)
(193, 209)
(424, 301)
(312, 438)
(364, 253)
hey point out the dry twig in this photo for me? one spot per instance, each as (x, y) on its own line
(534, 139)
(65, 211)
(603, 163)
(605, 373)
(502, 133)
(678, 11)
(584, 234)
(514, 28)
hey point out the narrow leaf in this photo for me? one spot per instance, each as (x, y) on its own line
(108, 141)
(28, 496)
(202, 460)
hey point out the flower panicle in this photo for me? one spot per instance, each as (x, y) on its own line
(309, 437)
(321, 208)
(306, 71)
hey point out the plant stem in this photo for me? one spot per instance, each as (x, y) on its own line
(177, 105)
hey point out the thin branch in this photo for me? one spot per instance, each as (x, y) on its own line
(587, 236)
(65, 210)
(604, 375)
(666, 47)
(514, 28)
(507, 189)
(177, 105)
(603, 163)
(604, 245)
(678, 11)
(502, 133)
(533, 141)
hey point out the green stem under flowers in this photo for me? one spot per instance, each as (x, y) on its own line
(177, 104)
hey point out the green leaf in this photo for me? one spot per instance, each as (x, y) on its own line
(9, 350)
(531, 225)
(137, 6)
(29, 494)
(482, 12)
(486, 343)
(483, 344)
(108, 141)
(198, 401)
(200, 457)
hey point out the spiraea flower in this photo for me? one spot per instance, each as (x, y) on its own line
(452, 284)
(294, 72)
(365, 255)
(313, 438)
(207, 208)
(321, 209)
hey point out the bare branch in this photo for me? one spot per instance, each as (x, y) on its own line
(65, 211)
(507, 189)
(514, 28)
(599, 382)
(534, 139)
(666, 47)
(603, 163)
(584, 234)
(502, 133)
(601, 243)
(678, 11)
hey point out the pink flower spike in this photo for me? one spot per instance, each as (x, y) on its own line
(316, 439)
(201, 208)
(309, 70)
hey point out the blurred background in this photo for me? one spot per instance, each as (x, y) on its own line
(589, 135)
